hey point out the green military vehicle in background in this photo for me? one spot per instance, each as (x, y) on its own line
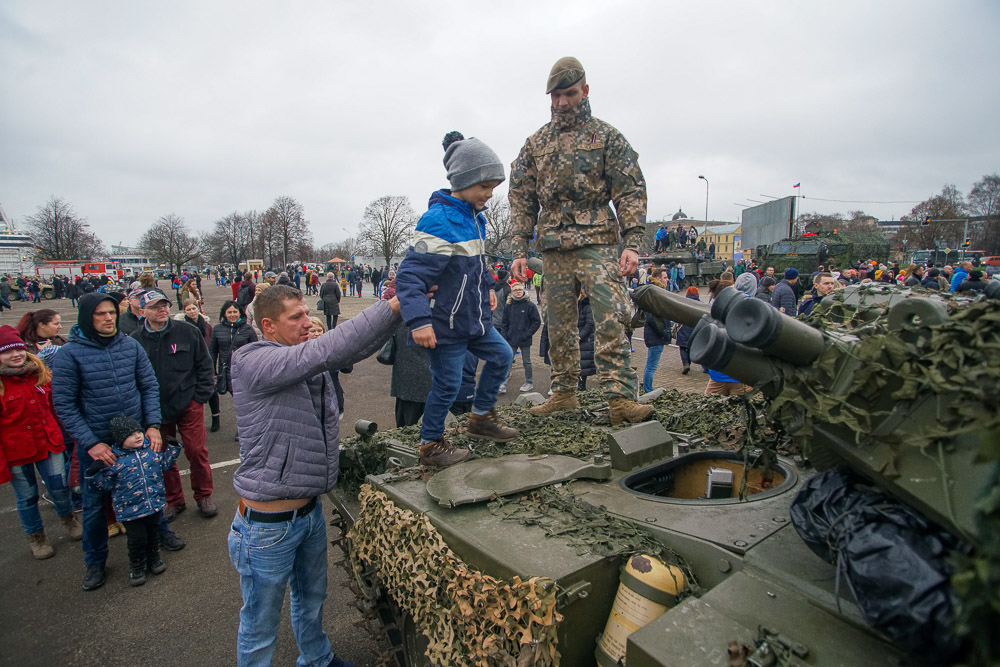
(848, 513)
(842, 249)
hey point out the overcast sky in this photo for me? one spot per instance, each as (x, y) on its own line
(132, 110)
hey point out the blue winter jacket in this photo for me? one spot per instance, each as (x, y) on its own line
(92, 383)
(135, 480)
(447, 251)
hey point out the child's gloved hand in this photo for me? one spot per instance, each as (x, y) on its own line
(94, 468)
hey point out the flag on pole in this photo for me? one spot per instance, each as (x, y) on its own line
(796, 185)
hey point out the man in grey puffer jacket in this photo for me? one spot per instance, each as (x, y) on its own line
(287, 418)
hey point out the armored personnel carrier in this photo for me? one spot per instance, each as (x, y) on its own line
(695, 272)
(841, 248)
(694, 539)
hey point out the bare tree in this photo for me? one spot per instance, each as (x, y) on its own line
(924, 228)
(231, 238)
(984, 200)
(498, 227)
(290, 228)
(170, 241)
(59, 233)
(387, 226)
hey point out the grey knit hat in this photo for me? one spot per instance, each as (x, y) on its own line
(470, 161)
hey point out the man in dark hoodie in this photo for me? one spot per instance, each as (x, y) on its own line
(98, 374)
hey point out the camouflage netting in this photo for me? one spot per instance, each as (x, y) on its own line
(958, 359)
(469, 618)
(589, 528)
(718, 419)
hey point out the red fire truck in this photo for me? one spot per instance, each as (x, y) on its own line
(77, 269)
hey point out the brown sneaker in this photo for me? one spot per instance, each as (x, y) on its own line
(622, 409)
(71, 522)
(488, 426)
(40, 547)
(441, 453)
(559, 402)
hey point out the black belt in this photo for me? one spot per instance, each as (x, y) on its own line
(250, 514)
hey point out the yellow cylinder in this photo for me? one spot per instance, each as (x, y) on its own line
(647, 590)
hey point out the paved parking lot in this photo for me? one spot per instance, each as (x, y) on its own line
(189, 615)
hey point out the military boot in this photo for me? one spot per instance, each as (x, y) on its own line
(441, 453)
(624, 410)
(488, 426)
(559, 402)
(40, 547)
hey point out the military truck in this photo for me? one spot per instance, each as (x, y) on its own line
(871, 539)
(695, 272)
(841, 248)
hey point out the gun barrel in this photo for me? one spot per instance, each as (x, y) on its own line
(712, 347)
(662, 303)
(754, 323)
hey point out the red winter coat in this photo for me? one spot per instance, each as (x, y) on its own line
(29, 431)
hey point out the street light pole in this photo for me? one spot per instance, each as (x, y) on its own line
(706, 197)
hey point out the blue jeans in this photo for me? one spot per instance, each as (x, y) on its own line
(447, 361)
(95, 518)
(53, 472)
(652, 363)
(270, 558)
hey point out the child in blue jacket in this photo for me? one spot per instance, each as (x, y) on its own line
(447, 258)
(135, 481)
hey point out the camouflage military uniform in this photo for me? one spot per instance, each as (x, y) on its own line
(563, 181)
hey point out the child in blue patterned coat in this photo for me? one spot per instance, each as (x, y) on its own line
(135, 481)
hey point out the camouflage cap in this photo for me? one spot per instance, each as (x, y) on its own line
(564, 74)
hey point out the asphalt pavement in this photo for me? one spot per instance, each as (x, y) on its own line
(190, 614)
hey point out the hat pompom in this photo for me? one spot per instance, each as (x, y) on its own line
(451, 138)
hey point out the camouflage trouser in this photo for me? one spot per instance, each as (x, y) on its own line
(596, 268)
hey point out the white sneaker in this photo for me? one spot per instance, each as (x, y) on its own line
(550, 392)
(527, 386)
(503, 389)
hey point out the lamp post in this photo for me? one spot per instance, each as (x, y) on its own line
(706, 197)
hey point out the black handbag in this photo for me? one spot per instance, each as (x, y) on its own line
(222, 381)
(387, 355)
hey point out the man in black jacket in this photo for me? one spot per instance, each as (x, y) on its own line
(130, 320)
(184, 371)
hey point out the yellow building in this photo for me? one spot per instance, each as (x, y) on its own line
(727, 240)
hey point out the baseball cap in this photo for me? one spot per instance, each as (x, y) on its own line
(151, 297)
(136, 291)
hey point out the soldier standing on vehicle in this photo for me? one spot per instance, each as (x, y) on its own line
(562, 181)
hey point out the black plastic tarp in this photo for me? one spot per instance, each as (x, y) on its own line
(894, 561)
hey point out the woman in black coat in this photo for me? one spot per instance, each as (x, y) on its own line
(585, 323)
(231, 333)
(684, 332)
(330, 295)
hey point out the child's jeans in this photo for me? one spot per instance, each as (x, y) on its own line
(53, 471)
(447, 361)
(526, 359)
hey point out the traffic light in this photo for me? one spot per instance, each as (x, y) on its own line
(967, 243)
(926, 221)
